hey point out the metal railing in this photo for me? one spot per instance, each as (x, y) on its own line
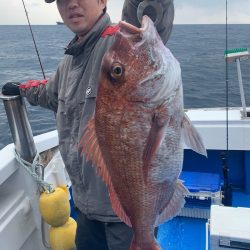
(19, 126)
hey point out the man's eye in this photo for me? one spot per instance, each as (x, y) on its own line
(61, 1)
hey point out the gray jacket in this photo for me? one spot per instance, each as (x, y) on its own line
(71, 94)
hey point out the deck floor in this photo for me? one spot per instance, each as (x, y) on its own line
(183, 233)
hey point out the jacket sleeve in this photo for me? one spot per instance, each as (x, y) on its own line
(165, 12)
(43, 93)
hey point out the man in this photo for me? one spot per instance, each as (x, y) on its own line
(71, 94)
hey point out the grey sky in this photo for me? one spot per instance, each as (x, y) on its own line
(186, 11)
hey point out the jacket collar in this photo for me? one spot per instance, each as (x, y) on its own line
(75, 48)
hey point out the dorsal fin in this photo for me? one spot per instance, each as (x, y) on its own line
(90, 148)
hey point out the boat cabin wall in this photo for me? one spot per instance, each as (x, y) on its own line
(238, 163)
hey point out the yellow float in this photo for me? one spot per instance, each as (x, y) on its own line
(54, 206)
(63, 237)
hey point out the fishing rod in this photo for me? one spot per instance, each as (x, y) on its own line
(38, 56)
(227, 189)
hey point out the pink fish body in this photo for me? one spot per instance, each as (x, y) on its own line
(136, 136)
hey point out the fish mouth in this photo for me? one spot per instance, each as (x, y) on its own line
(128, 28)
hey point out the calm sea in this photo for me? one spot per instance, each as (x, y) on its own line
(199, 48)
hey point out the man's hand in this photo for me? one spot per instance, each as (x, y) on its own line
(153, 9)
(11, 88)
(161, 13)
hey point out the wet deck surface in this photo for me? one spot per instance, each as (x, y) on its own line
(182, 234)
(190, 233)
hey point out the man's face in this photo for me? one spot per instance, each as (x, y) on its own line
(80, 15)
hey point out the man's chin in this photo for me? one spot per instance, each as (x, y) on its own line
(78, 30)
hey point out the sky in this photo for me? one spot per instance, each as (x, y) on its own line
(186, 11)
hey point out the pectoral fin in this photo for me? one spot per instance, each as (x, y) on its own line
(192, 137)
(154, 139)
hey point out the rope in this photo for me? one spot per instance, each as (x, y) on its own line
(32, 169)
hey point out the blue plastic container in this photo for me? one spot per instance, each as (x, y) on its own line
(196, 181)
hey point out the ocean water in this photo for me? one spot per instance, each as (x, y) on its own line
(199, 49)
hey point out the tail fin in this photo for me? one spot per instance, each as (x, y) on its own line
(153, 245)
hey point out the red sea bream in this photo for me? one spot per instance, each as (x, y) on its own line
(136, 136)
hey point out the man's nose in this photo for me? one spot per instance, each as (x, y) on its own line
(73, 4)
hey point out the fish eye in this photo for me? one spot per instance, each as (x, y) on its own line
(116, 71)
